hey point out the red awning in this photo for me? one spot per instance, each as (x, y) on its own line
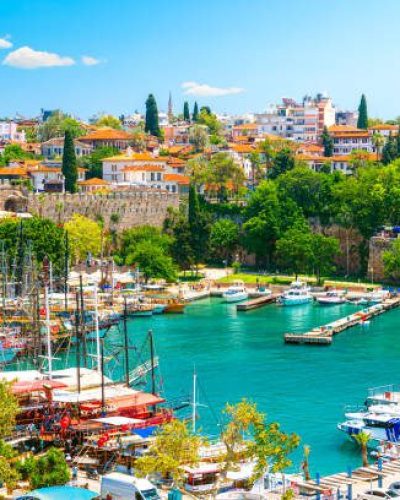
(36, 386)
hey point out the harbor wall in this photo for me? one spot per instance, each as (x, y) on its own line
(377, 246)
(118, 210)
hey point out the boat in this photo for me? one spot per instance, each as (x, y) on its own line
(174, 306)
(297, 294)
(332, 297)
(235, 293)
(159, 308)
(381, 427)
(140, 310)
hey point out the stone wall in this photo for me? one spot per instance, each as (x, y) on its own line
(130, 208)
(377, 246)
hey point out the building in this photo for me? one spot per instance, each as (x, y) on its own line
(177, 183)
(9, 132)
(301, 122)
(346, 118)
(385, 129)
(347, 138)
(55, 147)
(91, 185)
(107, 137)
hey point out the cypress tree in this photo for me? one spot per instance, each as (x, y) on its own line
(195, 112)
(69, 166)
(389, 151)
(186, 112)
(151, 125)
(327, 142)
(362, 121)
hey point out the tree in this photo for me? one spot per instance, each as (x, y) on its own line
(51, 469)
(174, 446)
(225, 170)
(362, 121)
(195, 115)
(378, 142)
(198, 136)
(363, 438)
(283, 162)
(327, 142)
(324, 249)
(56, 126)
(267, 151)
(94, 161)
(152, 261)
(391, 261)
(14, 152)
(256, 172)
(294, 249)
(69, 165)
(199, 226)
(109, 121)
(176, 225)
(266, 444)
(389, 151)
(84, 237)
(151, 126)
(306, 468)
(199, 171)
(224, 238)
(186, 112)
(210, 120)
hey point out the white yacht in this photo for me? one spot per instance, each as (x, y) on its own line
(380, 426)
(297, 294)
(236, 293)
(331, 298)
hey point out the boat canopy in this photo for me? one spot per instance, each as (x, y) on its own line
(118, 421)
(25, 387)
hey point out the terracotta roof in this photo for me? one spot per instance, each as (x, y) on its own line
(95, 181)
(384, 126)
(242, 148)
(143, 168)
(343, 128)
(246, 126)
(176, 161)
(106, 133)
(135, 157)
(178, 178)
(43, 169)
(6, 171)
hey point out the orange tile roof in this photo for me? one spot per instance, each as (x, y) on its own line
(179, 178)
(106, 133)
(384, 126)
(242, 148)
(246, 126)
(342, 128)
(6, 171)
(176, 161)
(136, 157)
(95, 181)
(43, 168)
(143, 168)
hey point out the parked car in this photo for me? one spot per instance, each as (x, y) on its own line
(376, 494)
(394, 489)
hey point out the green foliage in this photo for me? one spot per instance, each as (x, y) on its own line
(327, 142)
(324, 249)
(176, 225)
(8, 412)
(56, 126)
(389, 151)
(93, 162)
(391, 261)
(151, 125)
(199, 227)
(283, 162)
(51, 469)
(362, 121)
(69, 165)
(85, 236)
(14, 152)
(174, 447)
(149, 249)
(209, 120)
(223, 170)
(186, 112)
(195, 115)
(224, 239)
(109, 121)
(294, 249)
(198, 136)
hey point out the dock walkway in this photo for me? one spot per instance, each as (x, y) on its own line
(257, 302)
(323, 335)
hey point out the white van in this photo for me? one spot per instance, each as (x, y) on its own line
(118, 486)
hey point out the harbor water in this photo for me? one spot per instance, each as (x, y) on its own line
(242, 355)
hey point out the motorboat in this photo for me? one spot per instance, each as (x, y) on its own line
(331, 298)
(298, 293)
(235, 293)
(380, 427)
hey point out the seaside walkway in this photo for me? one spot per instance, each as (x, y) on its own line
(323, 335)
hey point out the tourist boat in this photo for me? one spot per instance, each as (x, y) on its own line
(332, 297)
(235, 293)
(381, 427)
(140, 310)
(174, 306)
(159, 308)
(297, 294)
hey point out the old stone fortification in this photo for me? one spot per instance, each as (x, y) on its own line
(119, 210)
(377, 246)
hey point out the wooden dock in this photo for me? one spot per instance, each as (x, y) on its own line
(323, 335)
(257, 302)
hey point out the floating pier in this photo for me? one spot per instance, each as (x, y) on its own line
(258, 302)
(323, 335)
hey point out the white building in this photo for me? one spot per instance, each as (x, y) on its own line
(347, 139)
(9, 132)
(55, 147)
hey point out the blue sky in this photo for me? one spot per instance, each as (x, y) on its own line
(249, 52)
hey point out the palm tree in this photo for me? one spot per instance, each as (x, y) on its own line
(363, 439)
(306, 469)
(378, 142)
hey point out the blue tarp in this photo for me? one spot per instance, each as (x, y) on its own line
(146, 432)
(59, 493)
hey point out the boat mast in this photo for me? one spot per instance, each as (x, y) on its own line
(153, 378)
(66, 271)
(49, 353)
(78, 344)
(126, 343)
(83, 323)
(194, 402)
(96, 323)
(103, 396)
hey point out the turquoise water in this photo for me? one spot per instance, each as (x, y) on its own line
(243, 355)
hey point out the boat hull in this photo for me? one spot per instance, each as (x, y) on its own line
(237, 297)
(298, 301)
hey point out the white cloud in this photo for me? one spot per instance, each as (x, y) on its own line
(5, 43)
(90, 61)
(204, 90)
(28, 58)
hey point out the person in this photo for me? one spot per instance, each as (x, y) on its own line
(75, 473)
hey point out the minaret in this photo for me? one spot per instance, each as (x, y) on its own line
(170, 107)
